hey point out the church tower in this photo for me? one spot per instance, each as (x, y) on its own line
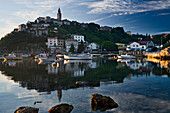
(59, 14)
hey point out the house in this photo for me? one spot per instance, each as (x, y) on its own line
(106, 28)
(69, 42)
(140, 45)
(22, 27)
(66, 22)
(60, 43)
(52, 42)
(79, 38)
(92, 46)
(39, 29)
(121, 46)
(57, 22)
(129, 32)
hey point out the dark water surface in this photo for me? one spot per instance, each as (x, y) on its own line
(137, 86)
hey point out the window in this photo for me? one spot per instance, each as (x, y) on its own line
(136, 45)
(133, 45)
(142, 46)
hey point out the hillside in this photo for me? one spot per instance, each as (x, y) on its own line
(22, 41)
(26, 42)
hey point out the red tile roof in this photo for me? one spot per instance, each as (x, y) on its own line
(60, 40)
(144, 42)
(52, 38)
(141, 42)
(71, 40)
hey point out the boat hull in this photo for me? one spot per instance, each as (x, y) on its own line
(126, 57)
(46, 59)
(77, 57)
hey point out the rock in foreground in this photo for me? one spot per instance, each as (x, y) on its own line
(62, 108)
(102, 103)
(27, 110)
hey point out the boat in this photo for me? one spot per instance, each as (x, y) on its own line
(25, 55)
(78, 57)
(60, 56)
(40, 55)
(126, 57)
(46, 59)
(13, 56)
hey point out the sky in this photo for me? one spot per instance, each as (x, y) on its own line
(137, 16)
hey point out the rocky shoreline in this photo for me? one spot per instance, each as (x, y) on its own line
(98, 102)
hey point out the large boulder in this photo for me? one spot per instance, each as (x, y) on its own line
(26, 109)
(102, 103)
(62, 108)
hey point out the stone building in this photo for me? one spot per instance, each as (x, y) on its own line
(69, 42)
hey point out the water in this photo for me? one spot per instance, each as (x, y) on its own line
(137, 86)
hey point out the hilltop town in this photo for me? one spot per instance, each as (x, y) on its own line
(57, 35)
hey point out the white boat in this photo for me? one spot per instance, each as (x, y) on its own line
(60, 56)
(13, 57)
(25, 55)
(41, 55)
(46, 59)
(78, 57)
(126, 57)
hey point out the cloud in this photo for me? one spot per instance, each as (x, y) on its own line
(8, 26)
(165, 32)
(163, 14)
(124, 7)
(103, 18)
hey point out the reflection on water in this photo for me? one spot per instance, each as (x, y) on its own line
(102, 74)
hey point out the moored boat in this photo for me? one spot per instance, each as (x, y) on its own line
(126, 57)
(60, 56)
(13, 56)
(78, 57)
(46, 59)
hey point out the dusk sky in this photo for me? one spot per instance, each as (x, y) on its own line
(142, 16)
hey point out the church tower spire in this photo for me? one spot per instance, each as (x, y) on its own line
(59, 14)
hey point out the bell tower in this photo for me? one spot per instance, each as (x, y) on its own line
(59, 14)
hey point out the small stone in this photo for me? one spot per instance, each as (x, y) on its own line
(26, 109)
(62, 108)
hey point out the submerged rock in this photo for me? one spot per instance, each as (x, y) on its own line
(62, 108)
(102, 103)
(26, 109)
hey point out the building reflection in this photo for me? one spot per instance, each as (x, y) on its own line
(73, 74)
(76, 68)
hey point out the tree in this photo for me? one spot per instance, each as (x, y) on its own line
(72, 48)
(109, 46)
(80, 47)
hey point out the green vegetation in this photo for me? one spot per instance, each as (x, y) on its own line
(109, 46)
(161, 39)
(22, 41)
(72, 49)
(80, 47)
(25, 42)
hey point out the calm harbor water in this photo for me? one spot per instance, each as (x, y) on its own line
(137, 86)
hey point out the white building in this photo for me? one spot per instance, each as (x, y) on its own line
(69, 42)
(79, 38)
(66, 22)
(52, 42)
(92, 46)
(140, 45)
